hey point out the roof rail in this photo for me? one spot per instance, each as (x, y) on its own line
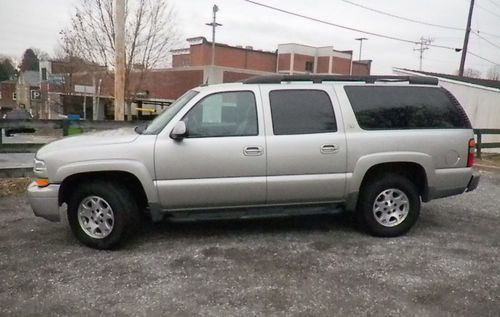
(318, 79)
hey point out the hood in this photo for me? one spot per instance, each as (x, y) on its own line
(108, 137)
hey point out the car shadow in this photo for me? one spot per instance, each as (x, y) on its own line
(342, 222)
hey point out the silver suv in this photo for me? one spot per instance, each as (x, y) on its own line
(270, 146)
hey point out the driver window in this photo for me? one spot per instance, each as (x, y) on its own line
(223, 114)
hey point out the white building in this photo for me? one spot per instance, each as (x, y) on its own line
(480, 98)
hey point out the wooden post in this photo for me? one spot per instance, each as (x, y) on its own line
(478, 145)
(119, 60)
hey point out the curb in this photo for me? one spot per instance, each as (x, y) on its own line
(16, 172)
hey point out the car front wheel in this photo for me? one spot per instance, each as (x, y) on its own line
(101, 214)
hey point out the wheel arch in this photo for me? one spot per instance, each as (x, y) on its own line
(128, 180)
(412, 165)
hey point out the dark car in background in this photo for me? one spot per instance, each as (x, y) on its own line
(18, 114)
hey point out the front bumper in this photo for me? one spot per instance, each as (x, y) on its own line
(45, 201)
(474, 181)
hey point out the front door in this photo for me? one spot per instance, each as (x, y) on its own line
(222, 160)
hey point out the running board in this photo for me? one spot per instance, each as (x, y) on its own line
(252, 212)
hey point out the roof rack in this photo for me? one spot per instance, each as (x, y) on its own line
(318, 79)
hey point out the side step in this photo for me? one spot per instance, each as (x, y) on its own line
(253, 212)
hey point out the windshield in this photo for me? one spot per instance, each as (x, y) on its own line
(161, 121)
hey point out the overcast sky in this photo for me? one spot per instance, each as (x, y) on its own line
(36, 23)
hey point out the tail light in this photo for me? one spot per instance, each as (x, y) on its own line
(472, 153)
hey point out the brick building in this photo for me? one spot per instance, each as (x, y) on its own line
(288, 58)
(76, 90)
(7, 96)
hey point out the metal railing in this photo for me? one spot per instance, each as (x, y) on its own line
(479, 140)
(65, 125)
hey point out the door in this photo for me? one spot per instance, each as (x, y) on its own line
(222, 161)
(306, 144)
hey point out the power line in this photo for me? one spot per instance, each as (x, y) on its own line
(389, 37)
(480, 57)
(487, 10)
(417, 21)
(365, 32)
(494, 3)
(404, 18)
(486, 40)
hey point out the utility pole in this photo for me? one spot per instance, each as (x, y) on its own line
(466, 40)
(120, 59)
(424, 42)
(361, 39)
(214, 25)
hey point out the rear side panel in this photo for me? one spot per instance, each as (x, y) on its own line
(441, 152)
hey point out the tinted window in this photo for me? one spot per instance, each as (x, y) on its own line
(301, 112)
(223, 114)
(405, 108)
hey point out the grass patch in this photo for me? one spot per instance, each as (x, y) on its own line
(12, 186)
(74, 131)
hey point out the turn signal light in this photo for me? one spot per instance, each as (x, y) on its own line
(472, 153)
(42, 182)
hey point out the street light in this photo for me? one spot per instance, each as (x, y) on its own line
(361, 39)
(214, 25)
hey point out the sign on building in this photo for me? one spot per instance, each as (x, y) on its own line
(84, 89)
(35, 94)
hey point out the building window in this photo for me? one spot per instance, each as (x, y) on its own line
(309, 67)
(14, 96)
(44, 73)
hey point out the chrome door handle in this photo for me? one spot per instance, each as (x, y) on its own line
(253, 150)
(329, 148)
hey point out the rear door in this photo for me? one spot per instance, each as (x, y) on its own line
(306, 145)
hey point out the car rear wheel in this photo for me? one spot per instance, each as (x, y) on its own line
(388, 205)
(102, 214)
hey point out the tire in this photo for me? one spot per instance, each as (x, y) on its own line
(388, 206)
(90, 218)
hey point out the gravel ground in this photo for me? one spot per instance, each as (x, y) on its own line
(448, 265)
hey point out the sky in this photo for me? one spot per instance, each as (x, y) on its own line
(36, 23)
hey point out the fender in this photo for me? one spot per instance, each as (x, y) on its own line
(133, 167)
(366, 162)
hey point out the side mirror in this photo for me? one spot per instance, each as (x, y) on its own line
(179, 131)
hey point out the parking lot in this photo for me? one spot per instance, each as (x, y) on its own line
(448, 265)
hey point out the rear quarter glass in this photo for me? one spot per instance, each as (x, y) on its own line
(403, 107)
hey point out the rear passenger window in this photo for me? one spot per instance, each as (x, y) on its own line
(396, 108)
(301, 112)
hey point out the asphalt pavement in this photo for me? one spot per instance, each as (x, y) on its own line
(448, 265)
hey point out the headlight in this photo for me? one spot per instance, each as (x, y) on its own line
(40, 169)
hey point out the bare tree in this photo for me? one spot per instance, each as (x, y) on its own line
(473, 73)
(494, 73)
(150, 33)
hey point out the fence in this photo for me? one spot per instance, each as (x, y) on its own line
(65, 125)
(479, 140)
